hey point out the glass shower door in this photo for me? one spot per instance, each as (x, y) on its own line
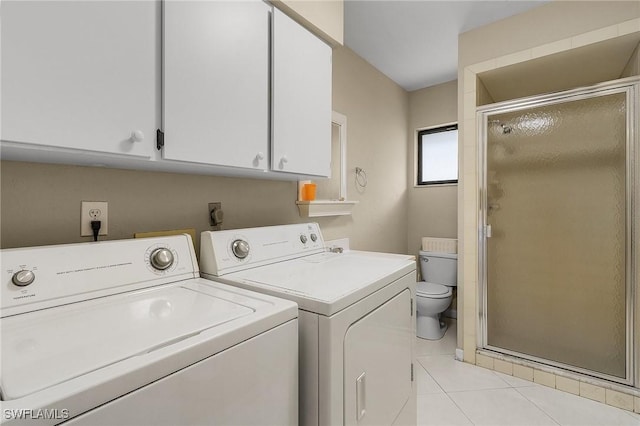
(557, 209)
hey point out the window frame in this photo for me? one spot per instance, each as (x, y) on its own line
(432, 130)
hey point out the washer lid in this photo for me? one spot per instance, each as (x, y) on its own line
(430, 289)
(44, 348)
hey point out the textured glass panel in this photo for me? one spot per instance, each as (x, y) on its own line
(556, 179)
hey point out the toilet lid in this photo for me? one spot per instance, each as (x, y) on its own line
(431, 289)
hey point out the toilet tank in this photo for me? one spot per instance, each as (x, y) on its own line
(439, 268)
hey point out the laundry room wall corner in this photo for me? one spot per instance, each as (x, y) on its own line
(378, 111)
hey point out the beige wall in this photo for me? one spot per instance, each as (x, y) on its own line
(432, 210)
(323, 17)
(377, 111)
(40, 203)
(633, 67)
(549, 23)
(483, 95)
(553, 28)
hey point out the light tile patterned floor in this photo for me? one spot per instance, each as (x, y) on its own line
(456, 393)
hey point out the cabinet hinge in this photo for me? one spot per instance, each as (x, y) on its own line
(412, 372)
(159, 139)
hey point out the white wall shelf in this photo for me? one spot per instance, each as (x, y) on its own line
(319, 208)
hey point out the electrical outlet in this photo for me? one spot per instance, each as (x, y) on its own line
(93, 210)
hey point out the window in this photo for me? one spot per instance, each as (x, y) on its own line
(438, 155)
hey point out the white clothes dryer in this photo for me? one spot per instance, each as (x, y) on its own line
(126, 332)
(356, 318)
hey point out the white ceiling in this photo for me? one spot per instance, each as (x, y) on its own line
(415, 43)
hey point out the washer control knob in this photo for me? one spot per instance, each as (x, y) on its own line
(161, 258)
(240, 248)
(23, 278)
(314, 237)
(303, 238)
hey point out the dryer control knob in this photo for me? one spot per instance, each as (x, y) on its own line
(240, 248)
(303, 239)
(161, 258)
(314, 237)
(23, 278)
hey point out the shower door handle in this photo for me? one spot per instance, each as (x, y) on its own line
(487, 231)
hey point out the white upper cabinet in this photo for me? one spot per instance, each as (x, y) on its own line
(301, 102)
(80, 75)
(236, 87)
(216, 82)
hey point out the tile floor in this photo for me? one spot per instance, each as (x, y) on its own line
(451, 392)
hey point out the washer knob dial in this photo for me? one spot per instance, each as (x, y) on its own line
(240, 248)
(161, 258)
(23, 278)
(303, 239)
(314, 237)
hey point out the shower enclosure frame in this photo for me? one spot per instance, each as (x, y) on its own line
(630, 86)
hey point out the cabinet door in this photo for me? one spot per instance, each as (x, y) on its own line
(81, 75)
(301, 138)
(216, 85)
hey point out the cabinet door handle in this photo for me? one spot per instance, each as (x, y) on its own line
(284, 160)
(137, 136)
(256, 160)
(361, 400)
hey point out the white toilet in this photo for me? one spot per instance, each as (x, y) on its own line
(440, 274)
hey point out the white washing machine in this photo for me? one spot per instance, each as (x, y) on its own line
(356, 318)
(126, 332)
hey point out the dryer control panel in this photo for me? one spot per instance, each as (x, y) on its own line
(223, 252)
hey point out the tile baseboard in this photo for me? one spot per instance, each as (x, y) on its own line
(618, 396)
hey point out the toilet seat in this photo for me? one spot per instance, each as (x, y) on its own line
(433, 291)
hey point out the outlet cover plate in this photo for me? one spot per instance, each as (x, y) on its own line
(213, 207)
(88, 210)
